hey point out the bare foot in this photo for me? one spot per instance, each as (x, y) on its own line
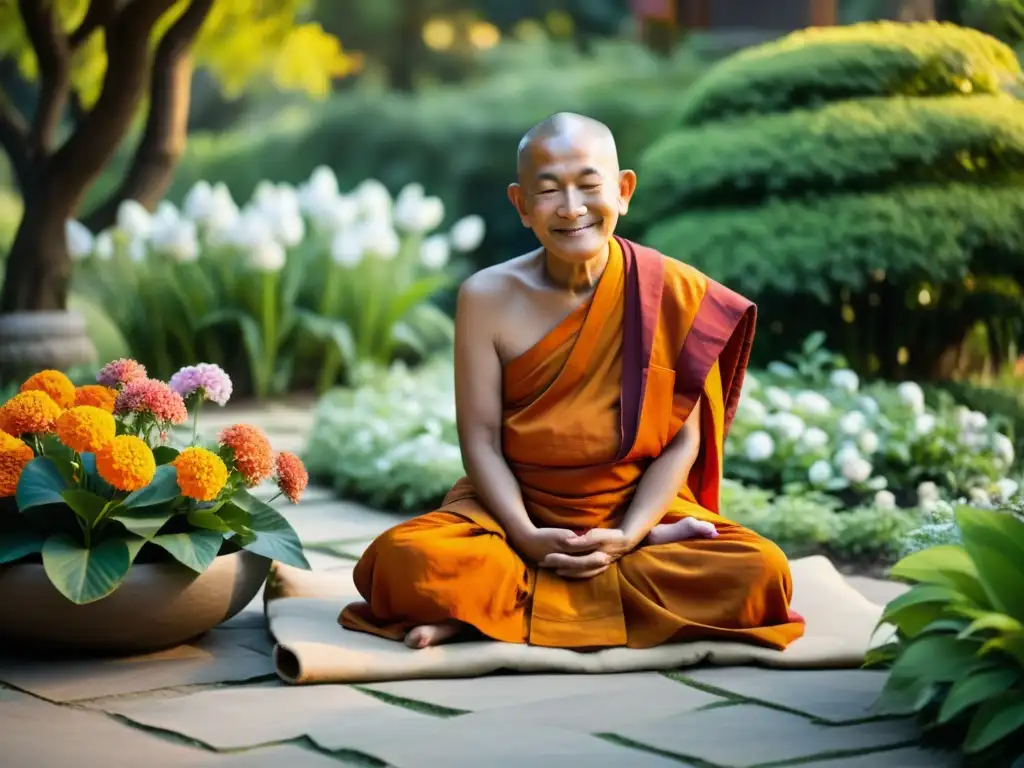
(426, 635)
(687, 528)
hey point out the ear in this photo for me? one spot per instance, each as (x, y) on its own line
(627, 186)
(518, 200)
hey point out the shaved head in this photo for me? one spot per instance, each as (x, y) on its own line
(573, 129)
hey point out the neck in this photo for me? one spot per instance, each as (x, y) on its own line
(575, 276)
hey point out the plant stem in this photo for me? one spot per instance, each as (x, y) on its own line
(195, 419)
(328, 310)
(269, 333)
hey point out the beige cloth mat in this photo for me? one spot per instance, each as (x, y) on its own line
(303, 607)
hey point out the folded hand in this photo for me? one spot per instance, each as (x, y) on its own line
(590, 554)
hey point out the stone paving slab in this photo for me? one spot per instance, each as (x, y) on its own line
(878, 591)
(830, 695)
(912, 757)
(749, 735)
(232, 718)
(338, 521)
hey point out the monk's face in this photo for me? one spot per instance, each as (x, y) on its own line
(571, 194)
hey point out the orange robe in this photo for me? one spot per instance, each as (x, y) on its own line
(586, 411)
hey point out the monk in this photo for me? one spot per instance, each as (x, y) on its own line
(595, 382)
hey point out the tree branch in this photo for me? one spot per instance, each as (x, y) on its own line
(54, 57)
(99, 13)
(163, 139)
(14, 140)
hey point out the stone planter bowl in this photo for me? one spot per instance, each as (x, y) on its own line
(158, 606)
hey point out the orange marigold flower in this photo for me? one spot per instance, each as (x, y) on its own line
(55, 384)
(292, 477)
(14, 455)
(254, 458)
(202, 474)
(32, 411)
(126, 462)
(96, 395)
(86, 428)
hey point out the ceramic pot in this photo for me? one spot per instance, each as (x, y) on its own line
(35, 341)
(158, 606)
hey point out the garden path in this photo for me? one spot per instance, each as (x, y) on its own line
(218, 704)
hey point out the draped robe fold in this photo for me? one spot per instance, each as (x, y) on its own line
(586, 411)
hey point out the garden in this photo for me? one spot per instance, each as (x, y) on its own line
(863, 184)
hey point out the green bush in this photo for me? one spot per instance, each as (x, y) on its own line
(867, 180)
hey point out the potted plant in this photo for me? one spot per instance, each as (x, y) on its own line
(113, 539)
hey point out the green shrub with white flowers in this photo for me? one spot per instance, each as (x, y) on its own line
(294, 288)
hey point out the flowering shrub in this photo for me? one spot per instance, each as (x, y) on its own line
(90, 485)
(940, 527)
(298, 281)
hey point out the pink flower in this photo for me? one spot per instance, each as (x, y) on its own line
(120, 372)
(207, 379)
(152, 396)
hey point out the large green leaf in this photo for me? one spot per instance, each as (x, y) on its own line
(995, 542)
(208, 520)
(329, 331)
(992, 621)
(19, 542)
(164, 454)
(915, 609)
(936, 659)
(195, 549)
(976, 688)
(1011, 644)
(902, 697)
(945, 564)
(40, 483)
(162, 489)
(272, 535)
(87, 505)
(995, 720)
(84, 575)
(93, 481)
(147, 521)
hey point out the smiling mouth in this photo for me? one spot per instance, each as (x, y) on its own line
(574, 231)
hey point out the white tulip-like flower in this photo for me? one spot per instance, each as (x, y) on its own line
(288, 227)
(223, 215)
(318, 192)
(853, 423)
(103, 249)
(199, 202)
(844, 379)
(1002, 447)
(381, 240)
(812, 403)
(928, 492)
(868, 404)
(136, 250)
(912, 395)
(980, 497)
(814, 439)
(857, 470)
(347, 247)
(924, 424)
(782, 370)
(434, 252)
(778, 398)
(759, 446)
(789, 425)
(374, 200)
(752, 410)
(80, 240)
(468, 232)
(868, 442)
(885, 500)
(820, 472)
(342, 213)
(134, 220)
(1007, 489)
(267, 255)
(180, 242)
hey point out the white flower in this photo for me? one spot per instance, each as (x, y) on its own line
(178, 240)
(973, 421)
(778, 398)
(104, 246)
(374, 199)
(973, 441)
(980, 497)
(782, 370)
(928, 492)
(847, 452)
(912, 395)
(347, 247)
(924, 424)
(820, 472)
(885, 500)
(868, 404)
(1002, 447)
(812, 403)
(288, 227)
(857, 470)
(750, 382)
(341, 213)
(133, 220)
(415, 212)
(381, 240)
(467, 233)
(434, 252)
(845, 380)
(752, 410)
(223, 215)
(788, 425)
(136, 250)
(79, 238)
(868, 442)
(1007, 488)
(319, 191)
(267, 256)
(199, 203)
(815, 438)
(852, 423)
(759, 446)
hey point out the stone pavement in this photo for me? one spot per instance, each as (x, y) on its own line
(218, 704)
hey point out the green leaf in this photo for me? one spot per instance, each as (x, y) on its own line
(88, 506)
(145, 522)
(903, 697)
(995, 542)
(995, 720)
(164, 454)
(40, 483)
(946, 564)
(15, 545)
(195, 550)
(998, 622)
(328, 330)
(208, 520)
(252, 338)
(161, 489)
(272, 535)
(976, 688)
(912, 611)
(93, 481)
(881, 656)
(1012, 645)
(84, 575)
(936, 659)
